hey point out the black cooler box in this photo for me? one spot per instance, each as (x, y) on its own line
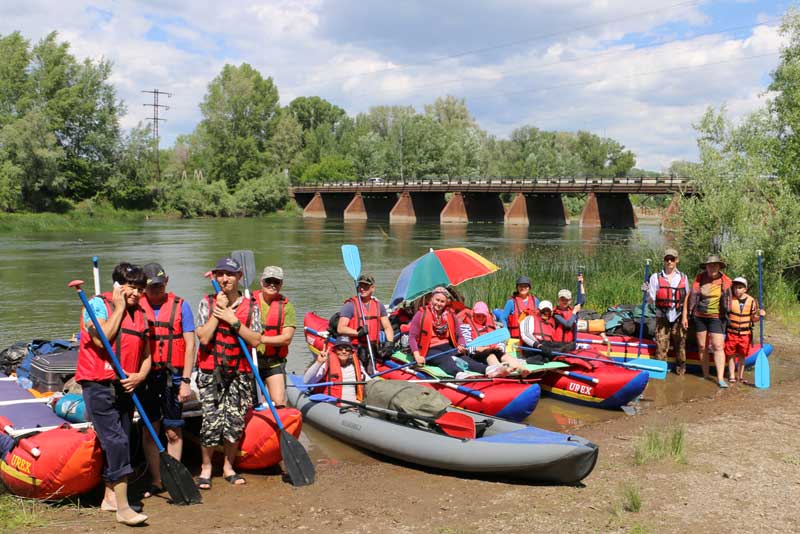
(50, 371)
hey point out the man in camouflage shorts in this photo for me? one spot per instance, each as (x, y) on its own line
(669, 291)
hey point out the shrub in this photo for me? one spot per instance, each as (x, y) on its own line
(261, 195)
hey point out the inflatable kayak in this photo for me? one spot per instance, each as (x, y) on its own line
(626, 347)
(512, 399)
(501, 450)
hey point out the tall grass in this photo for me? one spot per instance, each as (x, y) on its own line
(631, 498)
(657, 444)
(16, 512)
(99, 219)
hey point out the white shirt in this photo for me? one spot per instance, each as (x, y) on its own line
(674, 281)
(316, 373)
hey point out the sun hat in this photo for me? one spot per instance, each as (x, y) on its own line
(228, 265)
(523, 280)
(545, 305)
(565, 293)
(713, 258)
(272, 271)
(741, 280)
(480, 308)
(155, 274)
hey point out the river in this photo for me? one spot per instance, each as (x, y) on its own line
(35, 268)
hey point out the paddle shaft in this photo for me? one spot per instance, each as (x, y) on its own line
(462, 389)
(362, 382)
(588, 358)
(760, 299)
(96, 275)
(246, 272)
(352, 263)
(644, 303)
(118, 367)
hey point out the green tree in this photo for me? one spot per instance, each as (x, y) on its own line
(286, 142)
(15, 59)
(312, 111)
(330, 169)
(130, 185)
(451, 112)
(239, 114)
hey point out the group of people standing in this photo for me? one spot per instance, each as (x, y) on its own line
(153, 334)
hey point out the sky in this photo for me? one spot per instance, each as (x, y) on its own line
(641, 72)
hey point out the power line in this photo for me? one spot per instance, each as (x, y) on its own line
(155, 119)
(504, 45)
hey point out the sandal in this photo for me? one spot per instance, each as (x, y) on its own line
(203, 483)
(152, 490)
(732, 380)
(235, 478)
(722, 384)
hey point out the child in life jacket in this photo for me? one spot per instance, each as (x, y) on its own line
(339, 367)
(566, 316)
(742, 315)
(478, 321)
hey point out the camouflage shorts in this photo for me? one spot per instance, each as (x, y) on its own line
(224, 409)
(667, 332)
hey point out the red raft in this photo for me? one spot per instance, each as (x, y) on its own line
(511, 399)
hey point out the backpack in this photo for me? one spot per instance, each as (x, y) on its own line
(405, 397)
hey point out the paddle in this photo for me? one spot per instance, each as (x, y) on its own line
(457, 425)
(644, 303)
(577, 301)
(295, 457)
(423, 381)
(176, 478)
(463, 389)
(655, 368)
(762, 363)
(96, 275)
(616, 343)
(573, 374)
(352, 262)
(33, 400)
(247, 260)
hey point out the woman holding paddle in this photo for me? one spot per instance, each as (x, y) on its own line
(434, 330)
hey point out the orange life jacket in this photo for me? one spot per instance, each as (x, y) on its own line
(668, 296)
(466, 316)
(741, 322)
(561, 333)
(426, 329)
(224, 352)
(167, 345)
(129, 344)
(272, 316)
(543, 330)
(371, 318)
(521, 311)
(334, 374)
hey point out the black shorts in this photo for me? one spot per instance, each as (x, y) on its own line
(708, 324)
(268, 367)
(159, 396)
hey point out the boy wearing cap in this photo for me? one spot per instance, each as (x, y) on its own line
(365, 316)
(742, 314)
(224, 378)
(669, 291)
(521, 304)
(172, 347)
(278, 320)
(566, 316)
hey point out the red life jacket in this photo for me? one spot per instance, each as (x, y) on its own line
(668, 296)
(561, 333)
(129, 344)
(167, 345)
(466, 316)
(520, 312)
(272, 318)
(741, 322)
(543, 330)
(426, 329)
(371, 318)
(224, 352)
(334, 374)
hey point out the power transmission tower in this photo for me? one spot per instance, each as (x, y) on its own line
(154, 124)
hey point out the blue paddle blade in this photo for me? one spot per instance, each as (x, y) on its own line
(655, 368)
(352, 260)
(762, 370)
(321, 397)
(492, 338)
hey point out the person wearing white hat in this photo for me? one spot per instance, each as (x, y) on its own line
(538, 327)
(566, 316)
(742, 315)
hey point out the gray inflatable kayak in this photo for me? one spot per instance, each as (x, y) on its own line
(502, 449)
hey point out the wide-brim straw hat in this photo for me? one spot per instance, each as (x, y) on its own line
(713, 258)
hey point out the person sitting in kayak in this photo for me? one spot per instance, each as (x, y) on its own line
(566, 316)
(538, 331)
(742, 314)
(342, 367)
(365, 316)
(478, 321)
(434, 330)
(521, 304)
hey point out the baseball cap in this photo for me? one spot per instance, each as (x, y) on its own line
(670, 252)
(565, 293)
(741, 280)
(342, 341)
(155, 274)
(523, 280)
(228, 265)
(272, 271)
(546, 305)
(366, 279)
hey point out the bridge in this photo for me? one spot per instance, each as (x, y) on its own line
(533, 200)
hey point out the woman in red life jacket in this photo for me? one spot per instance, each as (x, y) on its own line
(364, 316)
(172, 346)
(709, 300)
(340, 367)
(565, 316)
(742, 314)
(521, 304)
(225, 380)
(279, 322)
(477, 322)
(539, 327)
(435, 329)
(107, 398)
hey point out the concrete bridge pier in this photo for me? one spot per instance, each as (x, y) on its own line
(473, 207)
(537, 209)
(326, 205)
(608, 211)
(369, 206)
(411, 207)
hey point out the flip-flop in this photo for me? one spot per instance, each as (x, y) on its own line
(235, 478)
(202, 481)
(152, 490)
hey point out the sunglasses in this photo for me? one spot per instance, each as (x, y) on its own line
(364, 286)
(343, 348)
(272, 282)
(670, 258)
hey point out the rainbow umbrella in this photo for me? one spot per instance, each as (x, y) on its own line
(445, 267)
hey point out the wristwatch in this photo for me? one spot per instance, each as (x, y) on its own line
(235, 326)
(186, 380)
